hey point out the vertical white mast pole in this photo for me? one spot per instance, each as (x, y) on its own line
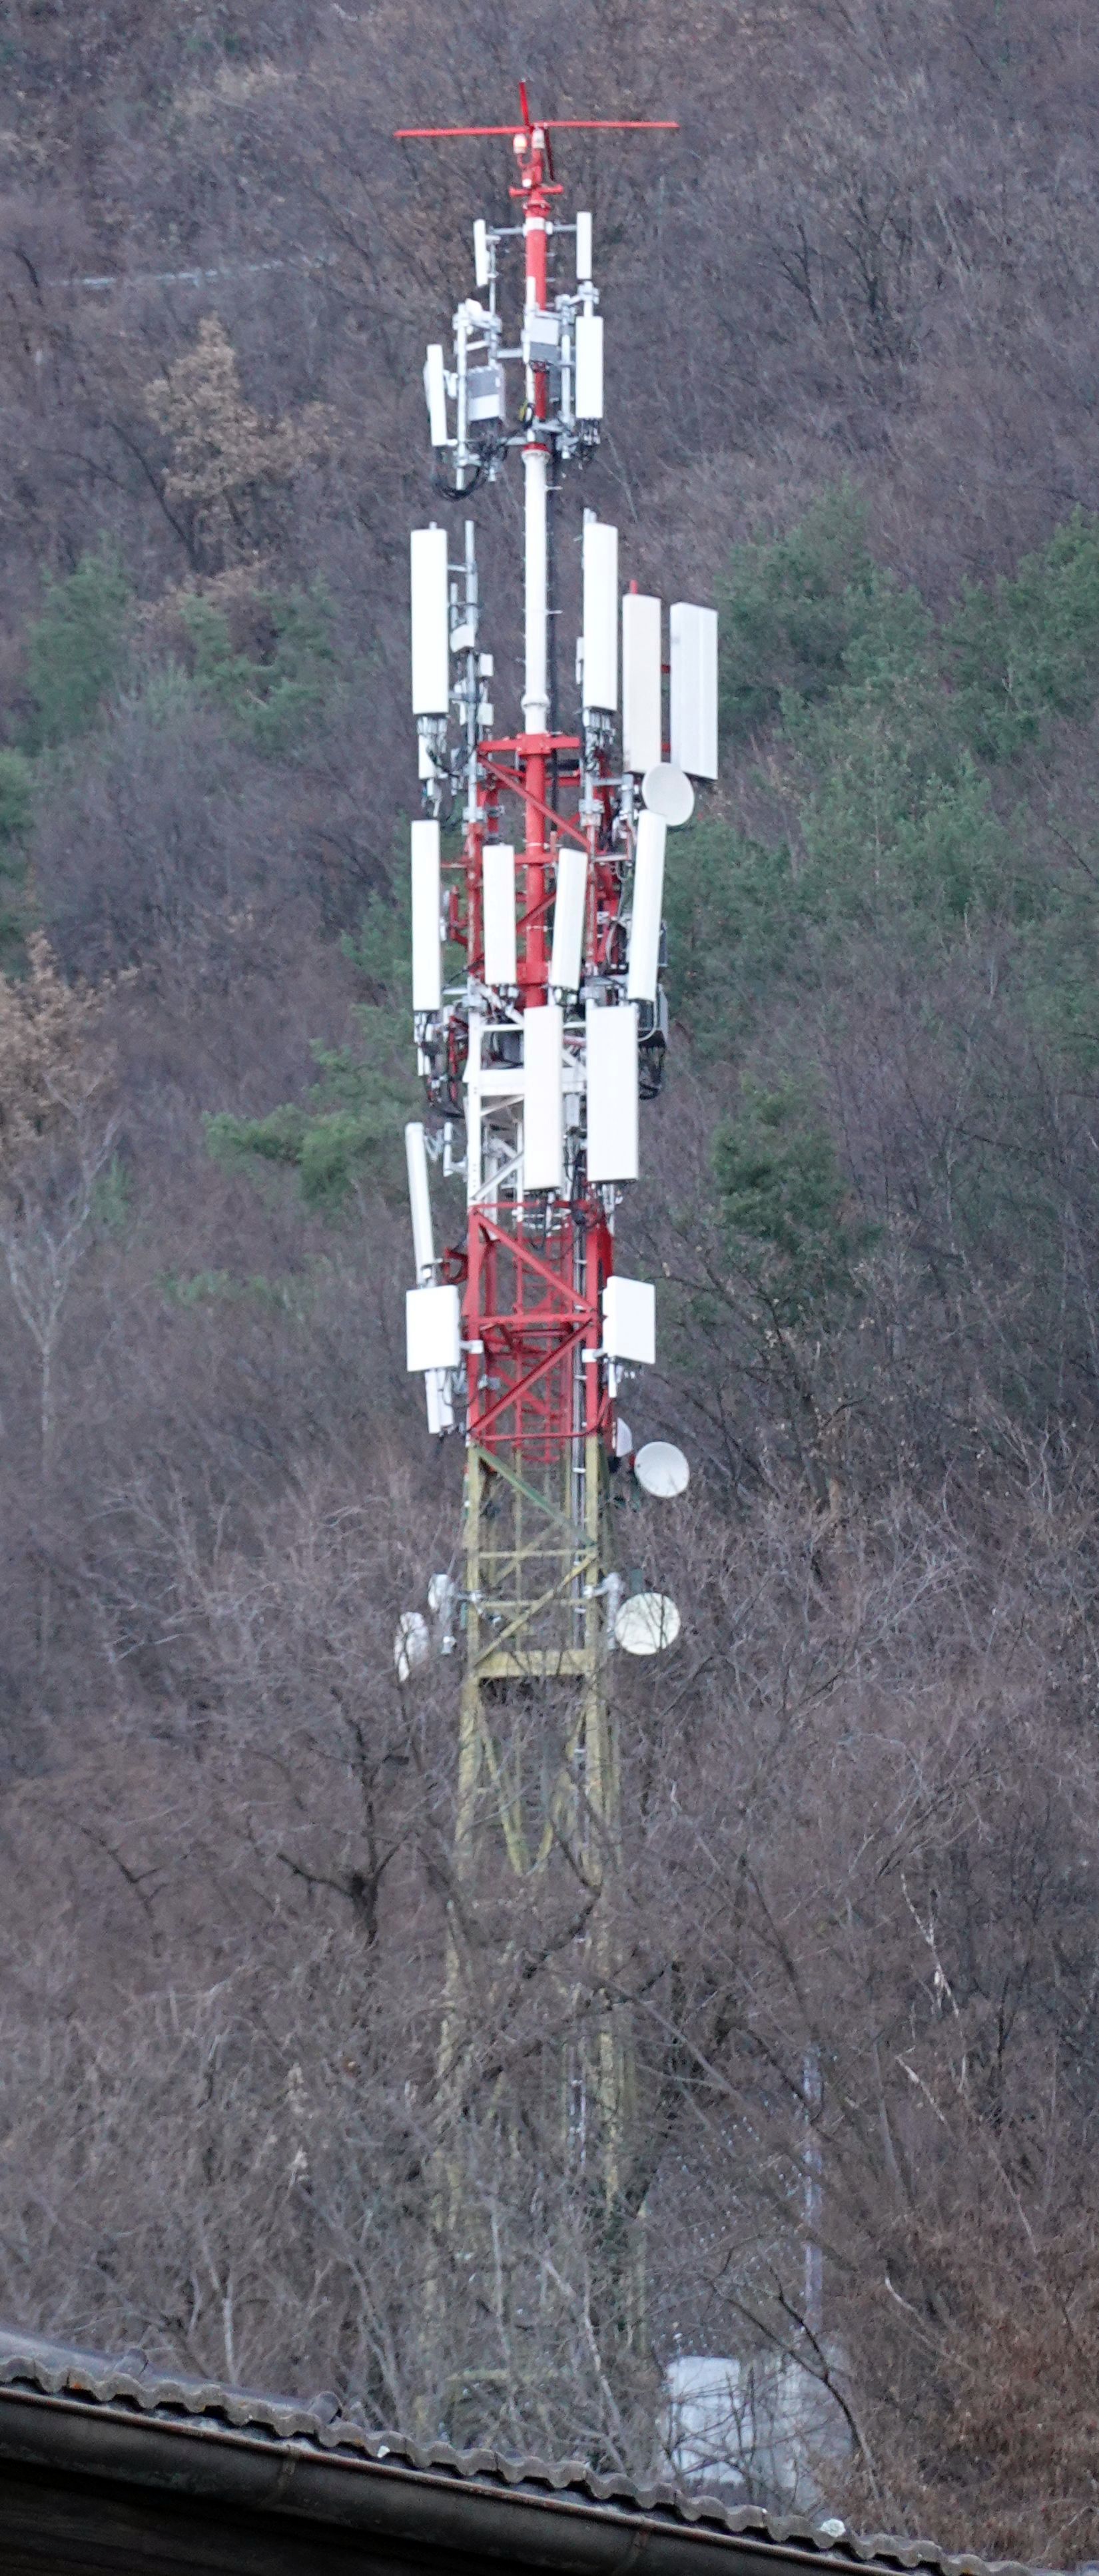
(536, 691)
(535, 462)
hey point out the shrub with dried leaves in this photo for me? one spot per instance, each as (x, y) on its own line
(225, 456)
(53, 1059)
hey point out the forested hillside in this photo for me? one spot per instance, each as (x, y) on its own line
(853, 391)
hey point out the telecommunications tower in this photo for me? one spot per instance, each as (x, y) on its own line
(540, 1025)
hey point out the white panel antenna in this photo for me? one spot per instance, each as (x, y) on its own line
(481, 269)
(423, 1238)
(427, 946)
(498, 883)
(435, 394)
(612, 1092)
(430, 628)
(543, 1098)
(694, 689)
(648, 904)
(583, 249)
(600, 671)
(440, 1410)
(433, 1328)
(629, 1320)
(589, 366)
(567, 958)
(642, 732)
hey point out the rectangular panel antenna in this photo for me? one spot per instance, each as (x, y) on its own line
(567, 958)
(435, 394)
(423, 1237)
(583, 249)
(629, 1320)
(427, 947)
(543, 1099)
(612, 1091)
(498, 883)
(430, 638)
(600, 671)
(440, 1411)
(589, 366)
(648, 902)
(642, 730)
(694, 689)
(433, 1328)
(480, 251)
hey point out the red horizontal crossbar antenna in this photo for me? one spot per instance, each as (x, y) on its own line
(548, 124)
(526, 124)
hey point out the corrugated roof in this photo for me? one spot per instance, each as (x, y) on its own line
(128, 2388)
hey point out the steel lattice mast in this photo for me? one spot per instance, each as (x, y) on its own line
(540, 1047)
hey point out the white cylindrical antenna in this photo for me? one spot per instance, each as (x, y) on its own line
(589, 366)
(543, 1098)
(600, 682)
(427, 948)
(430, 637)
(583, 249)
(648, 902)
(419, 1199)
(694, 689)
(435, 394)
(481, 269)
(641, 682)
(612, 1091)
(498, 887)
(567, 957)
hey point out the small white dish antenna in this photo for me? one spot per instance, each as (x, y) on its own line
(412, 1643)
(645, 1623)
(667, 791)
(661, 1469)
(623, 1439)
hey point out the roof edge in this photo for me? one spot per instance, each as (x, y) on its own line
(82, 2415)
(461, 2516)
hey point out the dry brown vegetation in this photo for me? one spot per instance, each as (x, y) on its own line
(862, 1797)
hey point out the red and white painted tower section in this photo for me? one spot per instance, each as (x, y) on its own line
(540, 1017)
